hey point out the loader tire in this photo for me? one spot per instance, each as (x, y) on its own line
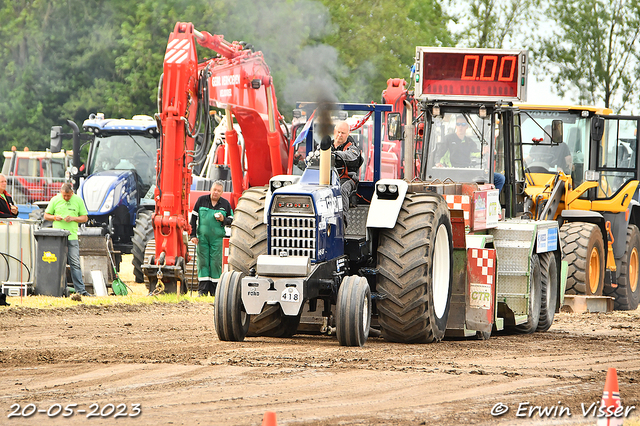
(627, 294)
(415, 265)
(248, 241)
(142, 233)
(583, 249)
(230, 319)
(534, 300)
(549, 290)
(353, 311)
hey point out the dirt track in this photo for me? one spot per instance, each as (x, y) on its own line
(168, 359)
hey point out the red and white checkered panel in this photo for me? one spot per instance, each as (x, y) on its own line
(225, 254)
(483, 263)
(481, 270)
(460, 202)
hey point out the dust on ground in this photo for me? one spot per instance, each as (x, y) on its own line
(168, 359)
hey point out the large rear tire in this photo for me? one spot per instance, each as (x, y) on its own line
(415, 266)
(535, 298)
(142, 233)
(353, 311)
(627, 294)
(549, 290)
(248, 232)
(583, 249)
(230, 319)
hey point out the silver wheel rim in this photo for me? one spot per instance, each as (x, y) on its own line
(441, 271)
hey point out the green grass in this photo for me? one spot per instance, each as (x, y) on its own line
(138, 295)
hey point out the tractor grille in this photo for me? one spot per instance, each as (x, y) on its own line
(294, 235)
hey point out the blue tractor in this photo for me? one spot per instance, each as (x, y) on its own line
(116, 182)
(290, 252)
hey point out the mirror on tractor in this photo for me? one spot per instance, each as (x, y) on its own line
(556, 131)
(56, 139)
(394, 127)
(597, 128)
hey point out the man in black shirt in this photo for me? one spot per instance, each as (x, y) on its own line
(210, 215)
(457, 147)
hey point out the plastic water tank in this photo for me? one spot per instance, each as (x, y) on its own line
(18, 250)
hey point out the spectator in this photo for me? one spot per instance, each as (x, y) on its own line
(66, 210)
(7, 207)
(211, 214)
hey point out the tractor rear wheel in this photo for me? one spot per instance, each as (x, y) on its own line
(230, 319)
(583, 249)
(627, 294)
(142, 233)
(549, 290)
(248, 232)
(535, 298)
(415, 265)
(353, 311)
(248, 241)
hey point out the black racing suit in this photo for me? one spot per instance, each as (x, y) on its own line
(348, 160)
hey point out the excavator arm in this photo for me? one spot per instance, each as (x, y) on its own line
(236, 80)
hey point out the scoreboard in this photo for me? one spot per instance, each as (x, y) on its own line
(471, 74)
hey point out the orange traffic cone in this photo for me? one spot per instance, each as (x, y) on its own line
(610, 400)
(269, 419)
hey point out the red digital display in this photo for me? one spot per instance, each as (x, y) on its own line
(471, 74)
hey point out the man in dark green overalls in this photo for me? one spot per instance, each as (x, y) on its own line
(211, 214)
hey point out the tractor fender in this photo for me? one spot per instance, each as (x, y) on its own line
(385, 206)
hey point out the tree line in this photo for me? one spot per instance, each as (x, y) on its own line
(65, 59)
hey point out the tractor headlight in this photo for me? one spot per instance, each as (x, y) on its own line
(277, 184)
(387, 191)
(112, 199)
(108, 202)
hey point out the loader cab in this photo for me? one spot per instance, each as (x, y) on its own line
(614, 141)
(571, 156)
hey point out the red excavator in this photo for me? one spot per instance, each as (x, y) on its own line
(237, 80)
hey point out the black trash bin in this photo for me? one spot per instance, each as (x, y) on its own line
(51, 262)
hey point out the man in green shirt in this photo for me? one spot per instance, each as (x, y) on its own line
(66, 210)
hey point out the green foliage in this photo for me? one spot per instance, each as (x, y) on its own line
(494, 23)
(65, 59)
(377, 41)
(594, 50)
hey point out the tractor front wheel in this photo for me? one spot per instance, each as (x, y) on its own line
(353, 311)
(229, 317)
